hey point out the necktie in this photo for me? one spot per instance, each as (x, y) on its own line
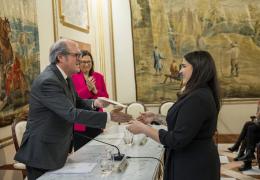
(68, 83)
(70, 89)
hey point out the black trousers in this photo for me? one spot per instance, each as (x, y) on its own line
(243, 133)
(79, 140)
(34, 173)
(253, 136)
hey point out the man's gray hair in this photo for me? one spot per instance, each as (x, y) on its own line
(59, 47)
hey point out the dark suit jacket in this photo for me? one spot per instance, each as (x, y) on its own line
(53, 108)
(190, 151)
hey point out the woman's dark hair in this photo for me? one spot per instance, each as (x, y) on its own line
(87, 53)
(204, 73)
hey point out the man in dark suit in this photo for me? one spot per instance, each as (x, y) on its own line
(53, 108)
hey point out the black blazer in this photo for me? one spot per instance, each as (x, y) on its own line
(190, 151)
(53, 108)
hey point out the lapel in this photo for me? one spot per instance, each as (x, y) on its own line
(69, 91)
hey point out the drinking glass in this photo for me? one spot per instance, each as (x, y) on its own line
(107, 161)
(128, 137)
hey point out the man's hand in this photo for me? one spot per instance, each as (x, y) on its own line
(117, 109)
(100, 103)
(118, 116)
(147, 117)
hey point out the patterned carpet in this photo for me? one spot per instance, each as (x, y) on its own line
(229, 168)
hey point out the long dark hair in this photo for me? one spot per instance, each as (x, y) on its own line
(204, 73)
(87, 53)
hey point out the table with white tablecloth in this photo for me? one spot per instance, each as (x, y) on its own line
(137, 169)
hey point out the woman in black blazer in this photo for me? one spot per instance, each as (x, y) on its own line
(190, 152)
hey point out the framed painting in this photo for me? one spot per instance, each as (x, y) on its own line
(164, 31)
(82, 46)
(74, 14)
(19, 56)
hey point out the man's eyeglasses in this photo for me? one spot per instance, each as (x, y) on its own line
(76, 55)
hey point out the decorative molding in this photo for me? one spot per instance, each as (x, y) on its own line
(241, 101)
(227, 138)
(6, 143)
(112, 58)
(224, 102)
(101, 43)
(5, 139)
(55, 23)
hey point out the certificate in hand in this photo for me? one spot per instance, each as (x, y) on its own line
(110, 101)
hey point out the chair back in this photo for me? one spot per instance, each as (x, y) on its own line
(164, 107)
(18, 129)
(135, 109)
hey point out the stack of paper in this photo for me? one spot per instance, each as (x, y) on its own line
(110, 101)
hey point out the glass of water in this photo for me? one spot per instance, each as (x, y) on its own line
(107, 161)
(128, 137)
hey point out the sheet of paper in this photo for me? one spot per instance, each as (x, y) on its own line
(75, 168)
(112, 102)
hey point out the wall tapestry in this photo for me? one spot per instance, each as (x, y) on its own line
(19, 56)
(165, 30)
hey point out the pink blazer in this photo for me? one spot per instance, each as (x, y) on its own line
(83, 92)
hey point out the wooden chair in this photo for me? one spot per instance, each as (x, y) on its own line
(164, 107)
(135, 108)
(18, 127)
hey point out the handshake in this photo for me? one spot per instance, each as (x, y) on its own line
(120, 117)
(144, 118)
(137, 126)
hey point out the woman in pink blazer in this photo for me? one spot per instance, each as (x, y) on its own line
(89, 85)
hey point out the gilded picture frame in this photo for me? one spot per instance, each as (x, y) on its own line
(74, 14)
(82, 45)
